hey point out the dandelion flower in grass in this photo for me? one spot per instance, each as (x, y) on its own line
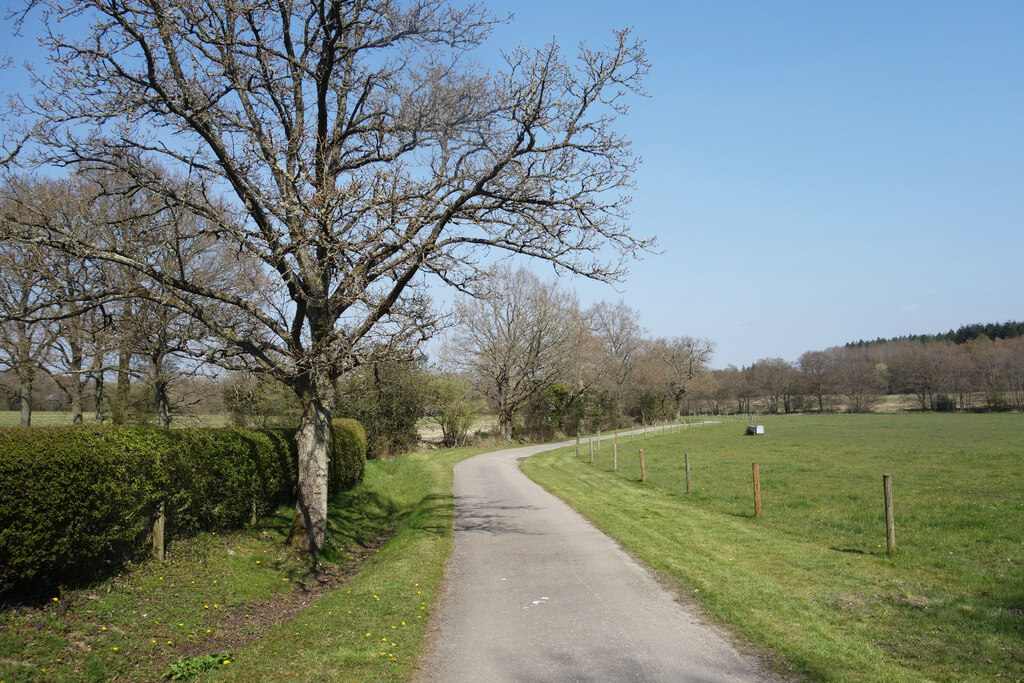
(56, 600)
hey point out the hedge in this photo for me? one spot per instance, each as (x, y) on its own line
(347, 455)
(77, 503)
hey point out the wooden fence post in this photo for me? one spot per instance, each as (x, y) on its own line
(643, 470)
(890, 519)
(757, 490)
(158, 533)
(598, 440)
(591, 442)
(687, 457)
(615, 456)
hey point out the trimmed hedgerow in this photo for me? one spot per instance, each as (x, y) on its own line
(77, 503)
(218, 476)
(347, 455)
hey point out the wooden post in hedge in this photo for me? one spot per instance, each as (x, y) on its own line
(253, 513)
(158, 533)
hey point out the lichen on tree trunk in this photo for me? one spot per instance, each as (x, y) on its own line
(309, 526)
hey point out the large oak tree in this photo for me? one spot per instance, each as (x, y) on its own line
(361, 153)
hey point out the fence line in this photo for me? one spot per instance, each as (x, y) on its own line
(708, 487)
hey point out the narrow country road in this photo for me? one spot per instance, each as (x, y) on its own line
(536, 593)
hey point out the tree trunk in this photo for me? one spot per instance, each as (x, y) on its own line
(163, 404)
(77, 388)
(25, 394)
(123, 389)
(505, 424)
(96, 371)
(309, 526)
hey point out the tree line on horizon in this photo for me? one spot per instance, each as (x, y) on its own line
(1011, 329)
(981, 374)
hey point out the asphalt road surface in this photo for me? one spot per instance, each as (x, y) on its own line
(536, 593)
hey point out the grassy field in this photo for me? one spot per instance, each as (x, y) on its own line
(810, 579)
(241, 603)
(57, 418)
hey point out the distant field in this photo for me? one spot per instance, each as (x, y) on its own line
(810, 578)
(54, 418)
(430, 431)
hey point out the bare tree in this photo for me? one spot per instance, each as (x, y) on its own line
(617, 328)
(817, 368)
(860, 379)
(361, 153)
(777, 380)
(516, 340)
(684, 359)
(26, 301)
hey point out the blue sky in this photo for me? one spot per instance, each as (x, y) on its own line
(817, 172)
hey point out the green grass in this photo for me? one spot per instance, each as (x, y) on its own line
(810, 579)
(220, 593)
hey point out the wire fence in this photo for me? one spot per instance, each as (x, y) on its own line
(957, 528)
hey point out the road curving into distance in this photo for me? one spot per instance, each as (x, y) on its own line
(535, 593)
